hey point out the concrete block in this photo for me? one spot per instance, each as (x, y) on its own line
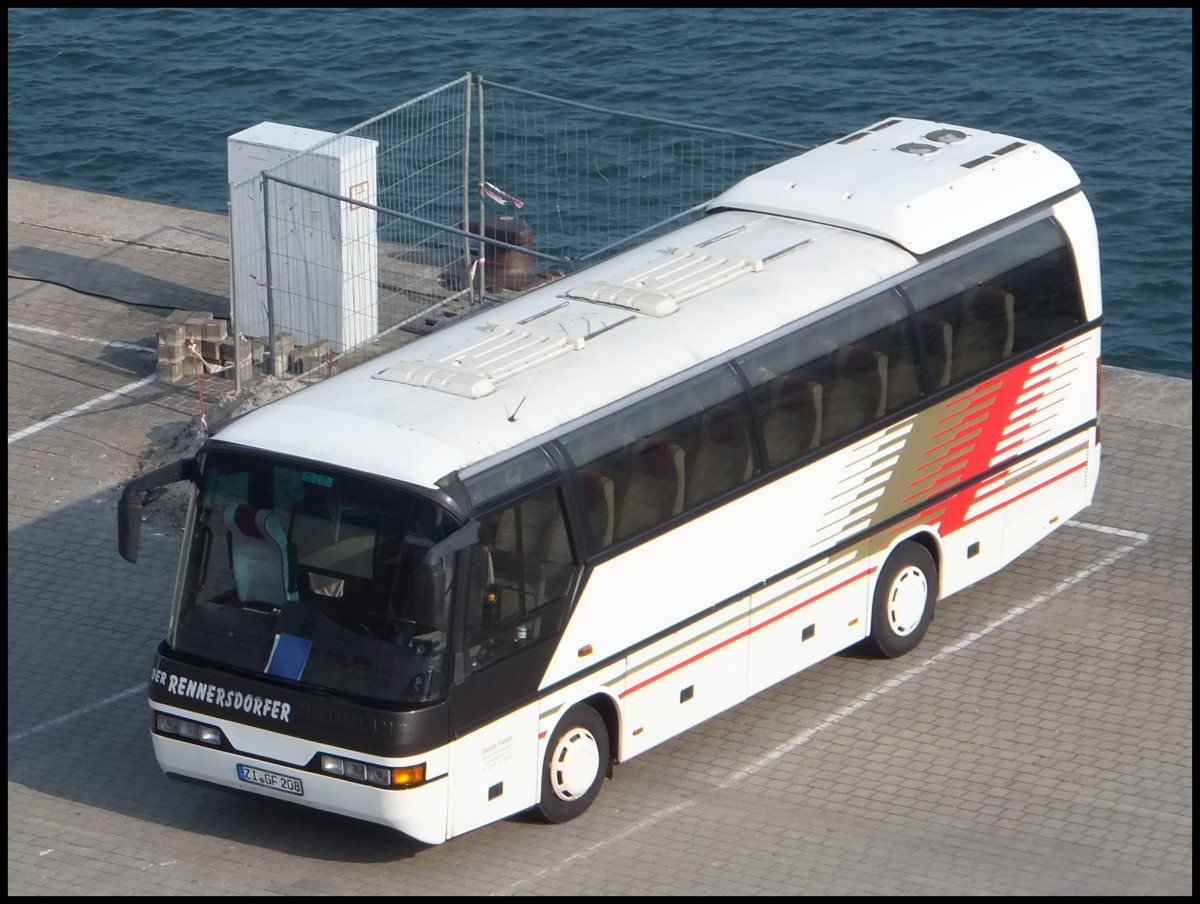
(170, 371)
(172, 334)
(281, 354)
(243, 369)
(307, 358)
(214, 330)
(172, 354)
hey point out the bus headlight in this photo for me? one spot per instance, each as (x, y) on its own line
(187, 729)
(398, 777)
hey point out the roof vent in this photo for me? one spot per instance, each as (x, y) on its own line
(915, 147)
(946, 136)
(473, 369)
(658, 288)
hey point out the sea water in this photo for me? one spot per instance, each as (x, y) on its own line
(141, 102)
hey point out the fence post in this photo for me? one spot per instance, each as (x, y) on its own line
(466, 178)
(269, 354)
(483, 261)
(233, 324)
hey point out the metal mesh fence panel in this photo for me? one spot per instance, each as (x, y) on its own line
(344, 246)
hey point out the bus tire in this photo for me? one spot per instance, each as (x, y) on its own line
(576, 763)
(904, 600)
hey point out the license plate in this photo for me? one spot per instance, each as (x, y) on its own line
(270, 780)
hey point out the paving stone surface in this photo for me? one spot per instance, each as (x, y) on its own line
(1038, 743)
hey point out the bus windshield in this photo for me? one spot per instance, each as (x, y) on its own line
(316, 577)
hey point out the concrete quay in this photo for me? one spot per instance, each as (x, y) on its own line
(1038, 743)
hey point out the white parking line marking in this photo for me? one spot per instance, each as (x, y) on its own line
(903, 678)
(76, 713)
(79, 409)
(799, 740)
(1115, 531)
(124, 390)
(123, 346)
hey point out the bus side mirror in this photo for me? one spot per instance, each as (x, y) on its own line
(429, 594)
(431, 579)
(137, 494)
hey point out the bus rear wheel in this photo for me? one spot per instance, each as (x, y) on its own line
(904, 600)
(576, 763)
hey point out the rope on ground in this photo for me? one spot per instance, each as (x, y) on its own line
(198, 364)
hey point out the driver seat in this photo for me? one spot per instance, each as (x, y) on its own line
(258, 553)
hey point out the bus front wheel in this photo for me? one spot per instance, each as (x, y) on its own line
(904, 600)
(576, 763)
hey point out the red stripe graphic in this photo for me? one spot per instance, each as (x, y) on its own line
(724, 643)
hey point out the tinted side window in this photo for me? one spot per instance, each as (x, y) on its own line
(1041, 274)
(790, 378)
(1007, 298)
(881, 325)
(835, 376)
(526, 564)
(648, 463)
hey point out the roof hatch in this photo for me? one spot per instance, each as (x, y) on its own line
(657, 289)
(473, 370)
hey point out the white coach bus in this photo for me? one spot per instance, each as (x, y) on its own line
(467, 578)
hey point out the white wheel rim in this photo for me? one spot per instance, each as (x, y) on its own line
(575, 764)
(906, 601)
